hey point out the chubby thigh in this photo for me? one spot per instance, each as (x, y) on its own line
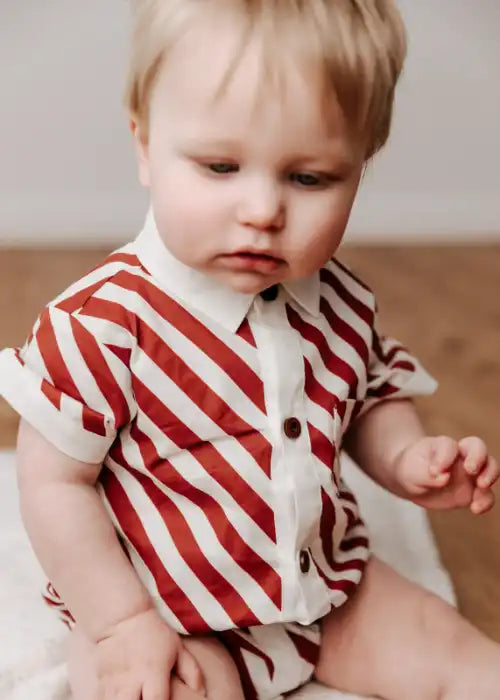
(220, 674)
(392, 639)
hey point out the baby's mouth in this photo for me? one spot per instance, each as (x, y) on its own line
(251, 260)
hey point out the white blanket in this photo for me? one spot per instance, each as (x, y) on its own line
(32, 639)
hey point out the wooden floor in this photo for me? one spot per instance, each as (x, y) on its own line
(443, 302)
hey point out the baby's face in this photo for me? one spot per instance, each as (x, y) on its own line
(251, 185)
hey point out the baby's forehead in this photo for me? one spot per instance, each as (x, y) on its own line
(242, 84)
(242, 118)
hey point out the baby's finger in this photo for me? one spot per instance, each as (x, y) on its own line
(483, 500)
(181, 690)
(490, 474)
(443, 455)
(437, 481)
(189, 671)
(474, 453)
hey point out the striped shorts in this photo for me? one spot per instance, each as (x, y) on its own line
(273, 660)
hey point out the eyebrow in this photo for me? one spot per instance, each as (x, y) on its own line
(339, 159)
(215, 143)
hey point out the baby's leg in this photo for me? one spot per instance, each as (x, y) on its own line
(395, 640)
(221, 677)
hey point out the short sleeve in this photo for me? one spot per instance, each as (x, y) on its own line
(72, 382)
(394, 373)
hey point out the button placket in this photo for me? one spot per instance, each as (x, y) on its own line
(282, 369)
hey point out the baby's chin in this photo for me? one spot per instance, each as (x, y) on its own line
(246, 283)
(253, 288)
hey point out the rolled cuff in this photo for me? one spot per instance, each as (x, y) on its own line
(22, 389)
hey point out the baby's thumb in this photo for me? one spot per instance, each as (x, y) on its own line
(189, 671)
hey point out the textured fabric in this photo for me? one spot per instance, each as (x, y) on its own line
(182, 387)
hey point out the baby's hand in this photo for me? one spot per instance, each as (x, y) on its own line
(137, 660)
(439, 472)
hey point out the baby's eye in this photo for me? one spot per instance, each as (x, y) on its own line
(308, 179)
(222, 168)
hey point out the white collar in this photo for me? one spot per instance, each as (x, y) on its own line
(205, 293)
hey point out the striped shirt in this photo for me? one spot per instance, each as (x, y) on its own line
(219, 419)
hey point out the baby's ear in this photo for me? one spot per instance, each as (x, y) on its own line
(141, 152)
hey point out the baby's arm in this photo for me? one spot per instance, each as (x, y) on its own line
(76, 544)
(390, 445)
(74, 538)
(375, 440)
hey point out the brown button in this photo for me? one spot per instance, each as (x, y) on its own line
(305, 561)
(292, 428)
(270, 294)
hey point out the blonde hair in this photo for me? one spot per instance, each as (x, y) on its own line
(360, 46)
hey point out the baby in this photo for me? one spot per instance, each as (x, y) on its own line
(185, 403)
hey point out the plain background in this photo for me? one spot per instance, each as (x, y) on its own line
(66, 163)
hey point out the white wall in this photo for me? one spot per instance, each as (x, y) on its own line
(66, 166)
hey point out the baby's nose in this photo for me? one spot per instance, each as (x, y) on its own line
(263, 208)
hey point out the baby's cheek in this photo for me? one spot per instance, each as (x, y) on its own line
(311, 250)
(186, 223)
